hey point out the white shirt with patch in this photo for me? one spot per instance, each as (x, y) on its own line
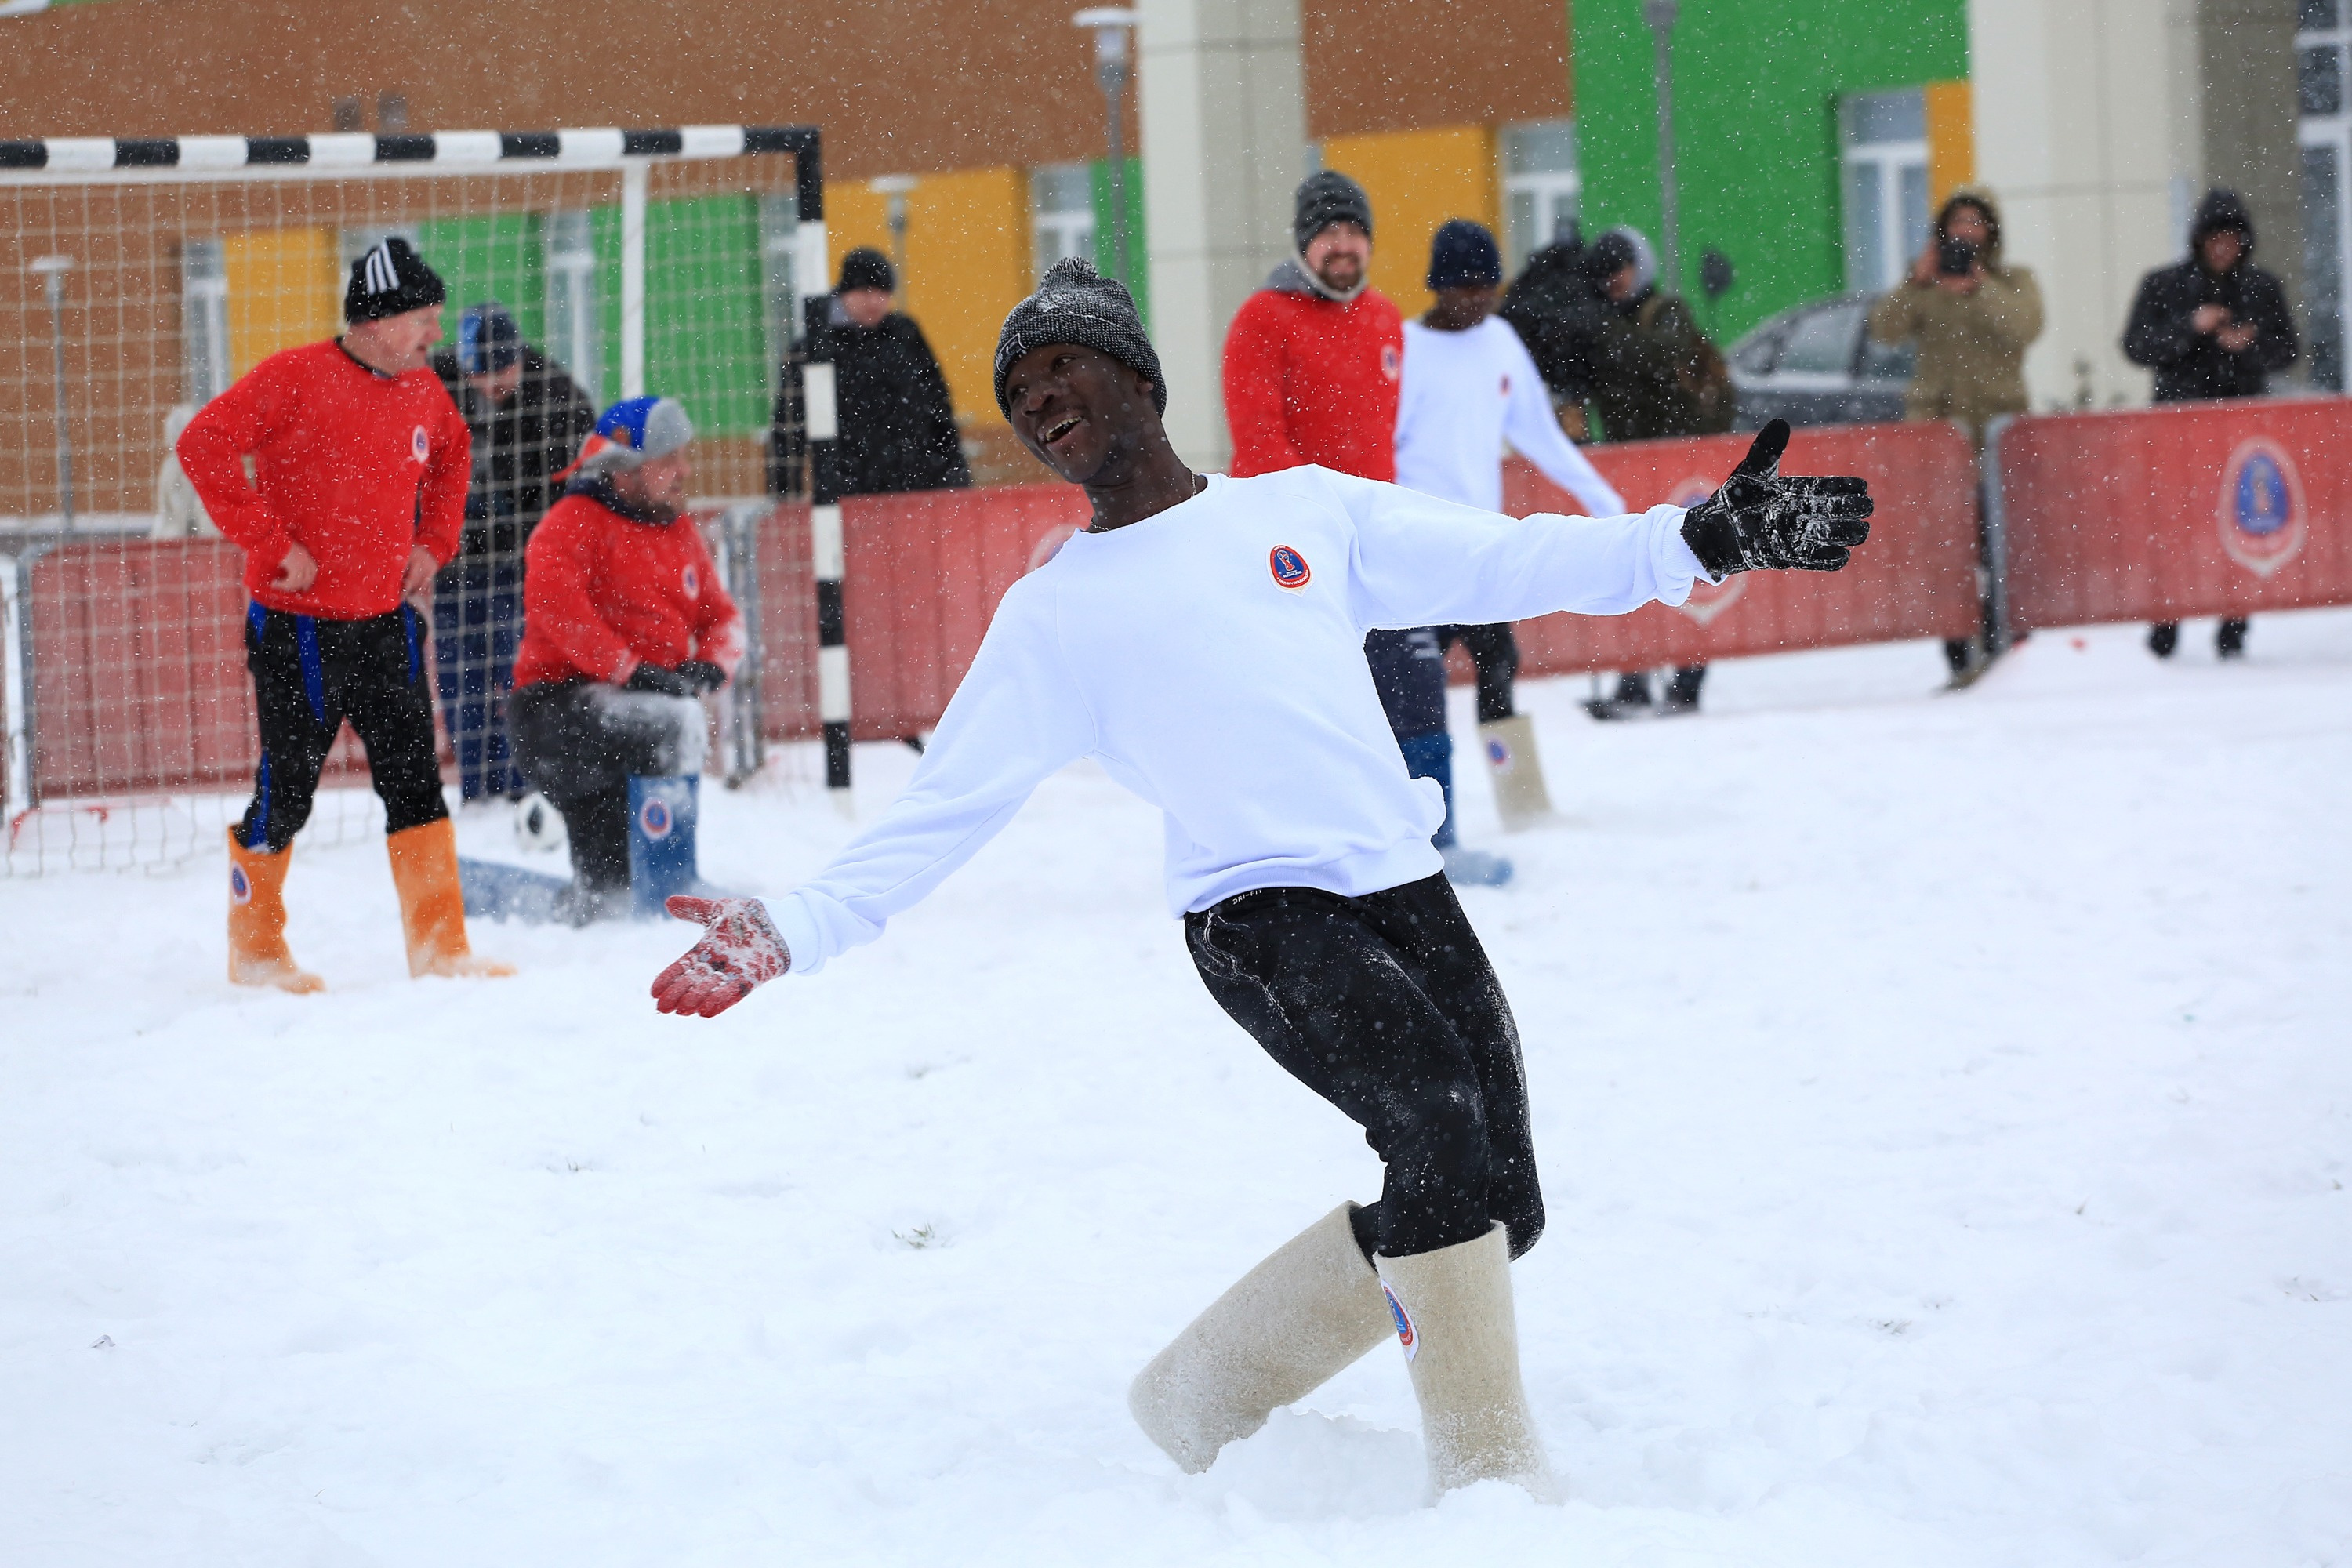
(1172, 652)
(1465, 394)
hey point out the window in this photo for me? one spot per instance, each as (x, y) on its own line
(1885, 139)
(574, 335)
(1541, 187)
(2325, 132)
(1062, 213)
(204, 319)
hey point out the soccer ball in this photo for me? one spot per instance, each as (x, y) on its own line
(539, 826)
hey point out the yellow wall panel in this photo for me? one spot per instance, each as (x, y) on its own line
(285, 289)
(1952, 138)
(1418, 179)
(967, 264)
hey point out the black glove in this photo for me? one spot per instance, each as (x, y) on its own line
(1762, 519)
(706, 675)
(657, 679)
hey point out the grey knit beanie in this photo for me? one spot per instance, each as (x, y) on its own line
(1075, 305)
(1325, 198)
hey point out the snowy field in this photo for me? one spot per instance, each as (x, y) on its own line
(1944, 1102)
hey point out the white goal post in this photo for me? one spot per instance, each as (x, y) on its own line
(139, 276)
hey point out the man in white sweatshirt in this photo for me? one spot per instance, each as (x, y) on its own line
(1203, 641)
(1469, 386)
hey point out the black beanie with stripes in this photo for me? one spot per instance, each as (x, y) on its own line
(390, 279)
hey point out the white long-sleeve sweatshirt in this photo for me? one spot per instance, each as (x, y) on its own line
(1212, 658)
(1465, 393)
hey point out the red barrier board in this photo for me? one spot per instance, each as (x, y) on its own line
(2196, 508)
(925, 572)
(1916, 578)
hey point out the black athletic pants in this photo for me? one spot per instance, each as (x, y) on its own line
(1386, 1007)
(309, 675)
(1495, 652)
(581, 741)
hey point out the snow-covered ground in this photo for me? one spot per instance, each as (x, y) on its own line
(1946, 1105)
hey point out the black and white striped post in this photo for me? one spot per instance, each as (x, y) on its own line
(828, 552)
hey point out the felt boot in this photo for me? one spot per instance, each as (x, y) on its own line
(1453, 1315)
(258, 953)
(1521, 798)
(433, 902)
(1289, 1326)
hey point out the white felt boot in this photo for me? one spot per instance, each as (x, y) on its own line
(1512, 761)
(1290, 1325)
(1452, 1314)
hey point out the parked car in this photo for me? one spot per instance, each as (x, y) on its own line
(1815, 364)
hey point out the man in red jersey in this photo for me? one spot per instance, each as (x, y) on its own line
(1313, 359)
(357, 491)
(626, 625)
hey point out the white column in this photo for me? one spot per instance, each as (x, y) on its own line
(632, 278)
(1224, 102)
(2099, 125)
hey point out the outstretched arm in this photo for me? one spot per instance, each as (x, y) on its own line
(1015, 718)
(1420, 561)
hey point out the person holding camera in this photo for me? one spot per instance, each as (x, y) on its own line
(1973, 315)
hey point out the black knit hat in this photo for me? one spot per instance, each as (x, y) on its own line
(390, 279)
(867, 267)
(1325, 198)
(1463, 255)
(1075, 305)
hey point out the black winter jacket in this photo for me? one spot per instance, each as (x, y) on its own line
(1560, 316)
(2194, 365)
(519, 447)
(898, 428)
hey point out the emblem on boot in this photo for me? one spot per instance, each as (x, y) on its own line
(1407, 1336)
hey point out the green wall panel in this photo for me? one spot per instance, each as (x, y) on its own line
(496, 257)
(1138, 248)
(705, 324)
(1757, 84)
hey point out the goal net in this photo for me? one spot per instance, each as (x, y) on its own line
(140, 279)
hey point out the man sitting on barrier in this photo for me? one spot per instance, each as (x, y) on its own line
(625, 627)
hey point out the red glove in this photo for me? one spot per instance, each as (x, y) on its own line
(740, 949)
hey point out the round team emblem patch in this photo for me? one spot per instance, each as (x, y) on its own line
(693, 583)
(1707, 600)
(1291, 573)
(1498, 755)
(654, 818)
(240, 885)
(2263, 517)
(1407, 1336)
(1392, 363)
(420, 446)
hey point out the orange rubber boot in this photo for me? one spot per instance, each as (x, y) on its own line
(257, 954)
(432, 904)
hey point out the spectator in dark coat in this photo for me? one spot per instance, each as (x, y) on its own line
(2212, 325)
(1559, 313)
(897, 427)
(527, 420)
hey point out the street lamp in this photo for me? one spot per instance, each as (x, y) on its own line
(1110, 25)
(1660, 14)
(895, 187)
(52, 270)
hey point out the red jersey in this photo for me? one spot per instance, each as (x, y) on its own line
(1309, 380)
(359, 468)
(603, 593)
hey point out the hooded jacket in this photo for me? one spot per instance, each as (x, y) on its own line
(1311, 379)
(897, 425)
(2162, 334)
(1971, 365)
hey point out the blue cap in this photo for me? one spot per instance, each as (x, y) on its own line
(1464, 256)
(487, 339)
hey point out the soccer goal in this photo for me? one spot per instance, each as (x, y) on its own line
(138, 279)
